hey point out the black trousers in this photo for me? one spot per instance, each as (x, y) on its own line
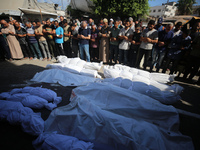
(4, 48)
(133, 56)
(192, 67)
(26, 50)
(60, 49)
(173, 67)
(146, 54)
(67, 49)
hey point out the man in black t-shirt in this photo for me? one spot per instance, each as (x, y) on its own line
(49, 30)
(135, 44)
(75, 40)
(21, 36)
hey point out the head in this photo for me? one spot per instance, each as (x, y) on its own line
(178, 26)
(48, 22)
(186, 33)
(116, 24)
(169, 27)
(136, 22)
(84, 24)
(43, 22)
(61, 18)
(151, 24)
(130, 20)
(160, 20)
(196, 26)
(4, 23)
(94, 27)
(28, 24)
(17, 25)
(111, 20)
(105, 22)
(143, 28)
(126, 23)
(101, 21)
(56, 23)
(73, 27)
(13, 21)
(65, 22)
(90, 21)
(137, 28)
(38, 23)
(34, 24)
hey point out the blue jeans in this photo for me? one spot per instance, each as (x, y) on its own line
(123, 54)
(35, 49)
(114, 50)
(157, 57)
(84, 48)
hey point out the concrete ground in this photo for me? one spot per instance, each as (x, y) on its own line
(16, 74)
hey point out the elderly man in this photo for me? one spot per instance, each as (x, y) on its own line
(104, 45)
(15, 49)
(84, 35)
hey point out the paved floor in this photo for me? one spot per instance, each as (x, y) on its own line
(16, 74)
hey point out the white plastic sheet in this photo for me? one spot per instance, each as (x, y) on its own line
(53, 141)
(16, 113)
(115, 116)
(164, 93)
(62, 77)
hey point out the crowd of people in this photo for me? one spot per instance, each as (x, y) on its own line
(115, 41)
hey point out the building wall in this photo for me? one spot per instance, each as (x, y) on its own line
(163, 11)
(11, 4)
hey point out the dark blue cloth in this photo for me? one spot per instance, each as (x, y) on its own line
(166, 37)
(84, 32)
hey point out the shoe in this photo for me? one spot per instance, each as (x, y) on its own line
(31, 58)
(44, 59)
(41, 58)
(34, 58)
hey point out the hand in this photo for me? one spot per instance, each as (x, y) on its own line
(161, 43)
(126, 38)
(28, 34)
(82, 37)
(149, 40)
(133, 42)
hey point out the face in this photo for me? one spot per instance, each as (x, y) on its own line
(178, 27)
(131, 22)
(28, 25)
(168, 28)
(34, 24)
(127, 24)
(43, 22)
(84, 24)
(105, 23)
(90, 21)
(65, 24)
(48, 22)
(101, 21)
(137, 30)
(61, 18)
(136, 22)
(4, 23)
(38, 24)
(116, 24)
(73, 28)
(56, 24)
(150, 26)
(17, 25)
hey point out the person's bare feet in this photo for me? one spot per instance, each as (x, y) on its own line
(31, 58)
(44, 59)
(49, 59)
(25, 58)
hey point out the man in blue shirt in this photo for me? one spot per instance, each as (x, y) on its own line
(84, 35)
(59, 38)
(164, 38)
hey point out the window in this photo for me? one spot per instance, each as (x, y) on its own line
(171, 14)
(158, 16)
(154, 10)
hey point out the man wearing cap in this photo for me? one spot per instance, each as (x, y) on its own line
(159, 26)
(104, 45)
(67, 35)
(111, 23)
(132, 24)
(84, 35)
(148, 37)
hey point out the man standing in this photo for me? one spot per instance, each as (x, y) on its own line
(21, 36)
(33, 42)
(125, 35)
(177, 31)
(61, 23)
(9, 31)
(135, 45)
(164, 39)
(74, 34)
(104, 45)
(67, 34)
(48, 30)
(148, 37)
(94, 43)
(42, 40)
(84, 35)
(59, 38)
(132, 24)
(114, 42)
(159, 26)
